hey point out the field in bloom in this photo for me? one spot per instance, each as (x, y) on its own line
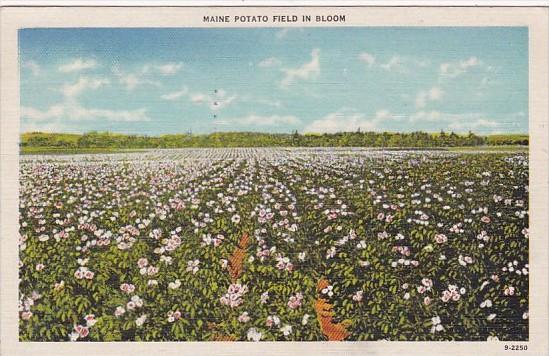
(274, 244)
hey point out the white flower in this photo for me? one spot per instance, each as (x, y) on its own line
(119, 311)
(437, 325)
(73, 336)
(244, 317)
(363, 263)
(305, 319)
(328, 290)
(491, 317)
(357, 297)
(264, 297)
(254, 334)
(141, 320)
(174, 285)
(192, 266)
(273, 320)
(486, 304)
(286, 330)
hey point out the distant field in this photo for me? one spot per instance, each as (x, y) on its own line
(68, 151)
(513, 148)
(65, 151)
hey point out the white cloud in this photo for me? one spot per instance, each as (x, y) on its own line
(433, 94)
(83, 83)
(219, 101)
(74, 111)
(403, 64)
(367, 58)
(169, 68)
(306, 71)
(71, 109)
(269, 62)
(429, 116)
(81, 113)
(393, 64)
(175, 95)
(348, 120)
(32, 66)
(282, 33)
(55, 126)
(31, 113)
(341, 122)
(78, 64)
(198, 98)
(258, 120)
(274, 103)
(463, 122)
(454, 69)
(384, 114)
(215, 102)
(474, 125)
(133, 80)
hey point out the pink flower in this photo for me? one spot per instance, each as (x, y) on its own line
(446, 295)
(234, 295)
(82, 331)
(26, 315)
(244, 317)
(357, 297)
(485, 219)
(127, 288)
(272, 320)
(264, 297)
(173, 316)
(119, 311)
(295, 301)
(441, 238)
(426, 300)
(142, 262)
(90, 320)
(151, 270)
(427, 282)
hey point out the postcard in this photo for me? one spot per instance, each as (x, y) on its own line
(274, 180)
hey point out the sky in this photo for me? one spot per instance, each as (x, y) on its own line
(203, 80)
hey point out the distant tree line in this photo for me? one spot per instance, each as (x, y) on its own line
(254, 139)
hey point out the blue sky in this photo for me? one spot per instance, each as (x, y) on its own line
(158, 81)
